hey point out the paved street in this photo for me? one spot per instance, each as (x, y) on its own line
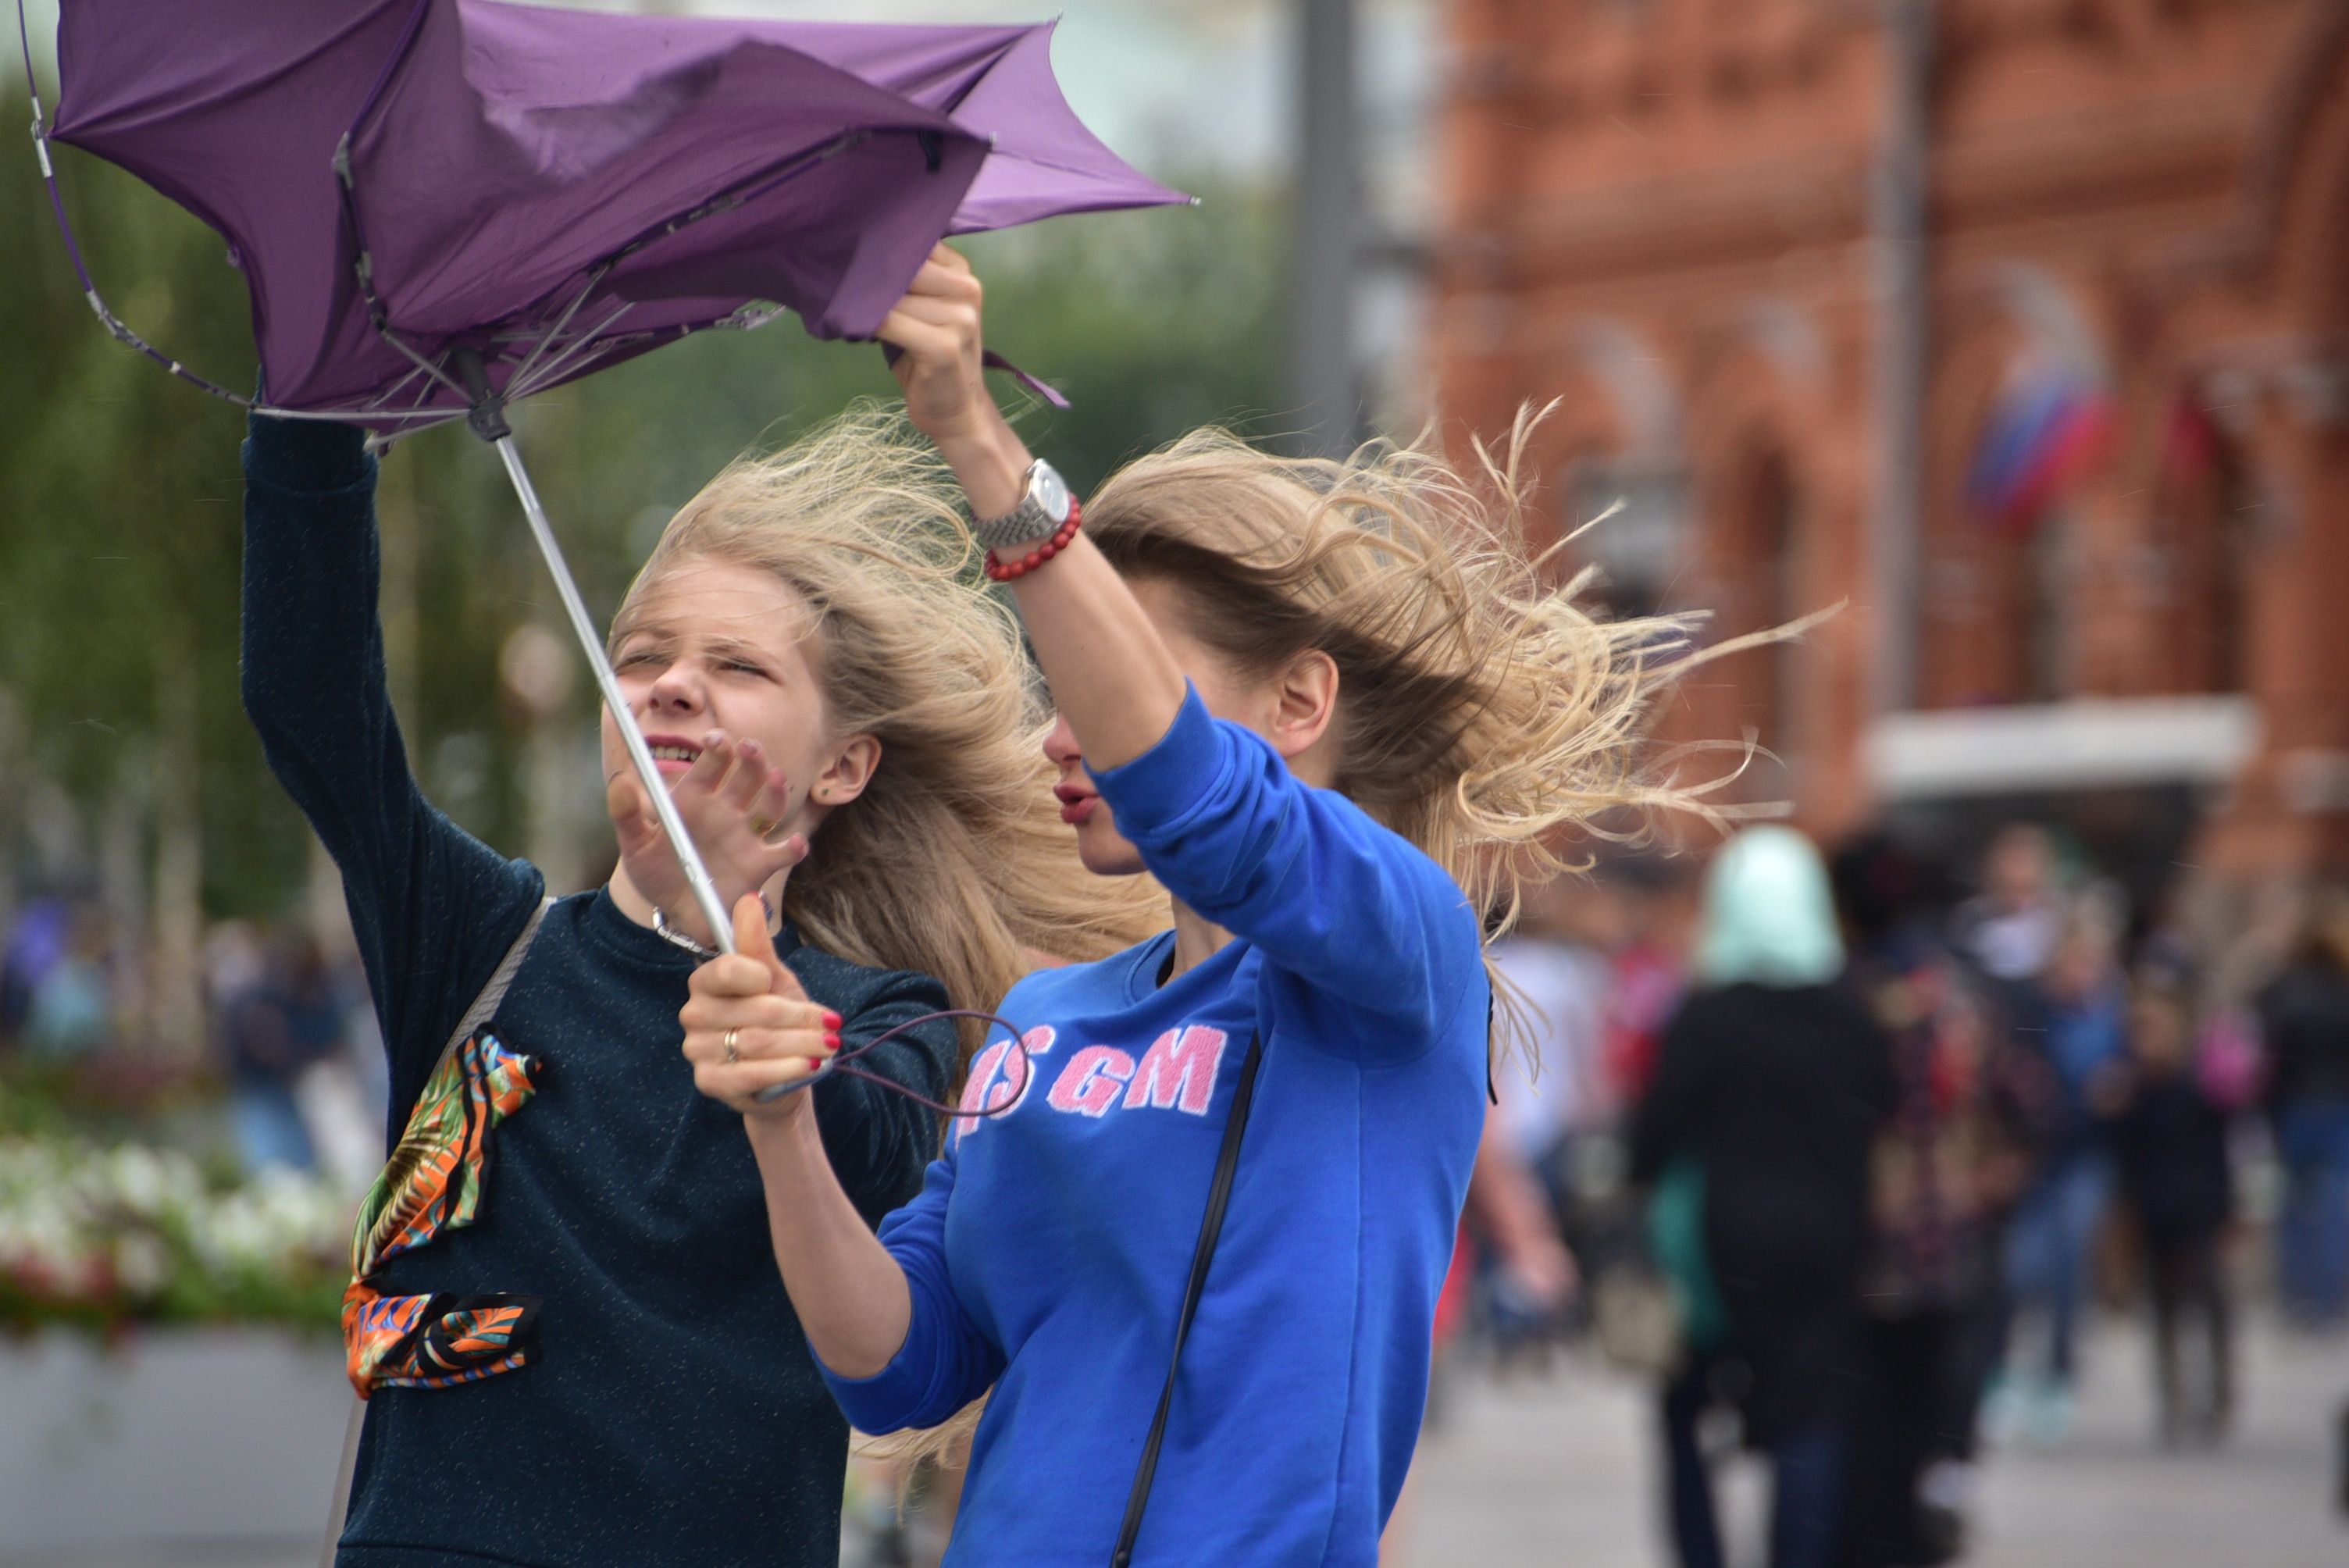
(1558, 1470)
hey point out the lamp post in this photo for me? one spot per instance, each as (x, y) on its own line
(1899, 222)
(1325, 390)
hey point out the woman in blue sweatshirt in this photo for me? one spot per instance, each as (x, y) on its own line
(1328, 706)
(577, 1351)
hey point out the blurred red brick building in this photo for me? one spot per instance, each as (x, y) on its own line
(2124, 570)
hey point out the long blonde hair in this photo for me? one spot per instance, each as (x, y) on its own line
(953, 861)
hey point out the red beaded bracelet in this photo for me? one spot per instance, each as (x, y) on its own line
(999, 571)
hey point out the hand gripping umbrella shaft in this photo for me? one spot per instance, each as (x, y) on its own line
(696, 875)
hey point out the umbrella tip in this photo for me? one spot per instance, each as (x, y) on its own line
(1192, 201)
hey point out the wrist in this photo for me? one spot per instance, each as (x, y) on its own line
(785, 1139)
(990, 463)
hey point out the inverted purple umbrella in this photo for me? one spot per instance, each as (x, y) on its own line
(442, 207)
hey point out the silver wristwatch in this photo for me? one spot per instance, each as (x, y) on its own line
(1043, 507)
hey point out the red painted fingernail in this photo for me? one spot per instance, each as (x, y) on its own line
(831, 1021)
(832, 1042)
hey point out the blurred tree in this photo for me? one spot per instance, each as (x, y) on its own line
(119, 497)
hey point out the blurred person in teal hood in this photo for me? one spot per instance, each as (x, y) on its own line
(1771, 1086)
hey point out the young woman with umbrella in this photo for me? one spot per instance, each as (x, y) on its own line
(1330, 708)
(592, 1358)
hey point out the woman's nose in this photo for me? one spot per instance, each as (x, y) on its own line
(675, 689)
(1060, 743)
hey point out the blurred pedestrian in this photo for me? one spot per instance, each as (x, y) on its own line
(2304, 1024)
(70, 1010)
(1556, 963)
(294, 1018)
(2171, 1142)
(1771, 1085)
(38, 942)
(1948, 1170)
(2010, 930)
(2075, 1016)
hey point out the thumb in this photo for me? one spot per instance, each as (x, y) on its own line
(624, 800)
(752, 940)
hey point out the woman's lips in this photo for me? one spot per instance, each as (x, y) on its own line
(1076, 804)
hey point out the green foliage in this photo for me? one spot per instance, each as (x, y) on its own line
(119, 489)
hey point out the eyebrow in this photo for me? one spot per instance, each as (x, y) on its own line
(737, 647)
(718, 645)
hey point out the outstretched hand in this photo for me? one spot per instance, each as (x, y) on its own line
(936, 328)
(732, 804)
(749, 1026)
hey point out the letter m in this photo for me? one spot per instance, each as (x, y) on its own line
(1179, 1070)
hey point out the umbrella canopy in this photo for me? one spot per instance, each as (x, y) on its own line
(555, 190)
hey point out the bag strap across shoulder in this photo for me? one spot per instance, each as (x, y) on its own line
(483, 1005)
(1219, 1196)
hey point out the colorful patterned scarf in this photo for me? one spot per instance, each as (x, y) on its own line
(434, 1181)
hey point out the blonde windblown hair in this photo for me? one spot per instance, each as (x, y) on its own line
(954, 860)
(1484, 714)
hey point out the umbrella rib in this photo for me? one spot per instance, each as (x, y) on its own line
(595, 276)
(421, 363)
(563, 357)
(394, 389)
(602, 346)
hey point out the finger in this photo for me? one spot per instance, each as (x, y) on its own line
(755, 1045)
(751, 936)
(936, 280)
(709, 769)
(750, 773)
(959, 317)
(788, 852)
(705, 1013)
(922, 342)
(734, 975)
(944, 255)
(626, 802)
(738, 1082)
(771, 805)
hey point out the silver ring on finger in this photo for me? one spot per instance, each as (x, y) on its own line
(732, 1056)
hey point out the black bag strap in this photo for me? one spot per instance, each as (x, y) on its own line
(1219, 1197)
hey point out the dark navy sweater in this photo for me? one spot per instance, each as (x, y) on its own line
(672, 1415)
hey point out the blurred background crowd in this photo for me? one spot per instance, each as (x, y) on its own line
(2008, 1071)
(1849, 1152)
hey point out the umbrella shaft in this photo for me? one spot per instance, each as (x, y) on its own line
(696, 875)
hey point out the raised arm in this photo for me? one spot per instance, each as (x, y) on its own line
(434, 908)
(1329, 894)
(1110, 675)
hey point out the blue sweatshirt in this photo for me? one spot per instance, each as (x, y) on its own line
(1048, 1252)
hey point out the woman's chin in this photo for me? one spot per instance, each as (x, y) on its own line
(1115, 858)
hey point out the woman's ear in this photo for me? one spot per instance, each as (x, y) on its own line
(1307, 705)
(843, 777)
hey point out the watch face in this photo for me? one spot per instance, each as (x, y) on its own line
(1052, 492)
